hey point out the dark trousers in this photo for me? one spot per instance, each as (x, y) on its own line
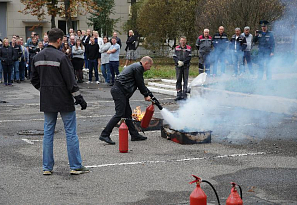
(219, 56)
(78, 64)
(182, 74)
(123, 110)
(247, 57)
(264, 61)
(114, 69)
(204, 62)
(22, 68)
(7, 73)
(93, 65)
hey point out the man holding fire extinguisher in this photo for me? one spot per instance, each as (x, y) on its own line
(125, 85)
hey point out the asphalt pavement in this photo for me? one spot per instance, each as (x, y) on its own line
(259, 155)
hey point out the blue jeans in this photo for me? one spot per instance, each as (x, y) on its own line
(219, 57)
(93, 65)
(238, 63)
(114, 69)
(69, 120)
(15, 71)
(106, 72)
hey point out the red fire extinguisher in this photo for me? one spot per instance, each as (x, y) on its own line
(123, 137)
(198, 197)
(147, 116)
(234, 198)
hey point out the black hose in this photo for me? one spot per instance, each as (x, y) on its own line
(240, 191)
(214, 190)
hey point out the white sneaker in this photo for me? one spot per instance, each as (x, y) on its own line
(97, 82)
(88, 82)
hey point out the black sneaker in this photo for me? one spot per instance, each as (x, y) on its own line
(107, 140)
(138, 138)
(81, 170)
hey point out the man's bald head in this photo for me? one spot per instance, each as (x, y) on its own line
(147, 62)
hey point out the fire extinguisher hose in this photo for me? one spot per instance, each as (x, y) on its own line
(219, 203)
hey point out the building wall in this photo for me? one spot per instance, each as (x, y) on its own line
(17, 22)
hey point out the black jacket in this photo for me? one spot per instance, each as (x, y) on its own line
(220, 42)
(53, 75)
(182, 54)
(131, 41)
(33, 50)
(7, 55)
(240, 43)
(17, 51)
(92, 51)
(130, 79)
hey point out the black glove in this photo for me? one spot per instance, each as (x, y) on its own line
(80, 100)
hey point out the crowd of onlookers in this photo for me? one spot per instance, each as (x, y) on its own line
(85, 49)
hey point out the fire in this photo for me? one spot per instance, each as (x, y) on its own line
(138, 114)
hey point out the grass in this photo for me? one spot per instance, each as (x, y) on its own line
(165, 68)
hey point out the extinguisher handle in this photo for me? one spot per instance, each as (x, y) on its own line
(240, 190)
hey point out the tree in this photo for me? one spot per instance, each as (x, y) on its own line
(101, 19)
(40, 8)
(160, 21)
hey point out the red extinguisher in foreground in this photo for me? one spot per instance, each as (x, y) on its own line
(123, 137)
(149, 112)
(198, 197)
(234, 198)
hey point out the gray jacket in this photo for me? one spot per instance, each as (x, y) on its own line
(78, 53)
(104, 56)
(249, 41)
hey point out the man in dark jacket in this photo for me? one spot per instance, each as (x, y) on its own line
(182, 57)
(125, 85)
(15, 74)
(130, 48)
(7, 55)
(237, 46)
(32, 52)
(204, 46)
(92, 52)
(53, 76)
(266, 42)
(220, 44)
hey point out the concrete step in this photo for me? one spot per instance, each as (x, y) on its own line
(161, 85)
(162, 91)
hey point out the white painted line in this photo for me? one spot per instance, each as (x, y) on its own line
(175, 160)
(28, 141)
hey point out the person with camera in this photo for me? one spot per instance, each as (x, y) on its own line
(266, 43)
(53, 76)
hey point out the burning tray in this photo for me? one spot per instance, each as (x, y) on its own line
(185, 137)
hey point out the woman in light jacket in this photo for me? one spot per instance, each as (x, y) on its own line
(78, 59)
(105, 59)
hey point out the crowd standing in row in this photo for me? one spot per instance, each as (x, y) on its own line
(219, 50)
(83, 48)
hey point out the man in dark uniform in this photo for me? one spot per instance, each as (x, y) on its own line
(266, 43)
(53, 76)
(182, 57)
(125, 85)
(220, 44)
